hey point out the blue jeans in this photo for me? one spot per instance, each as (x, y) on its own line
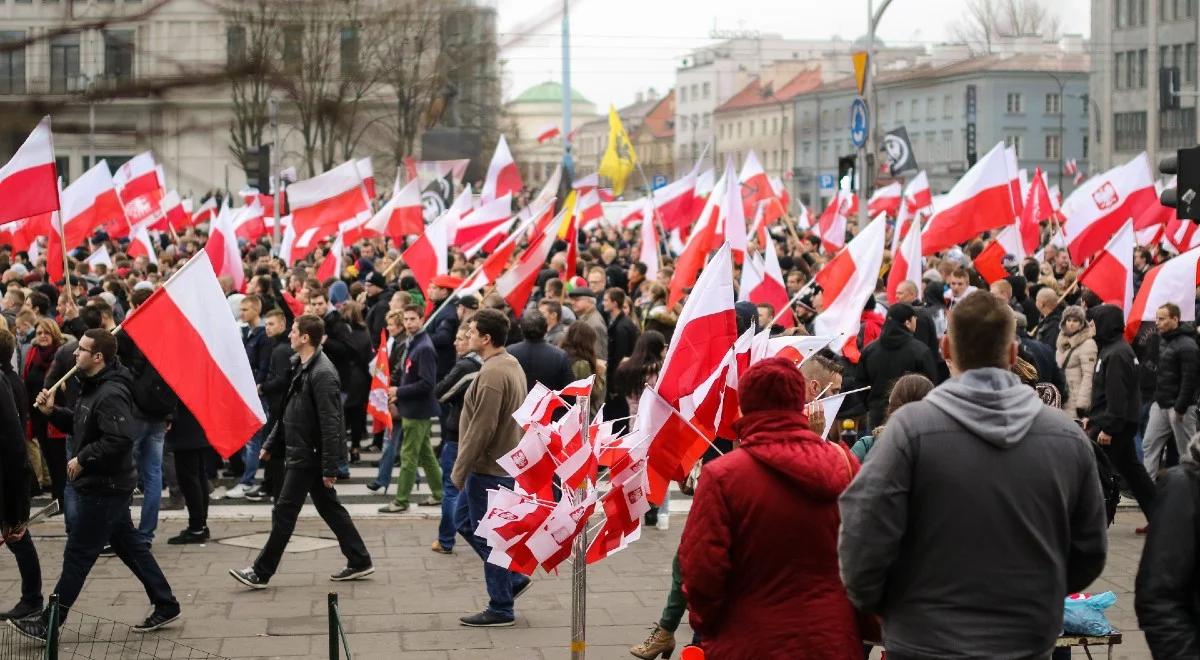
(250, 457)
(148, 439)
(387, 461)
(470, 509)
(447, 528)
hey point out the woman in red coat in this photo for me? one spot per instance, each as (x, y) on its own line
(759, 551)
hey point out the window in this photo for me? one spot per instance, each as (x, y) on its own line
(235, 46)
(837, 119)
(1189, 63)
(948, 106)
(1085, 104)
(805, 148)
(706, 119)
(1129, 131)
(683, 94)
(1141, 69)
(1013, 141)
(825, 120)
(774, 125)
(913, 111)
(899, 111)
(930, 108)
(750, 128)
(1119, 13)
(12, 65)
(1177, 128)
(62, 165)
(783, 159)
(1053, 147)
(695, 95)
(764, 126)
(293, 48)
(118, 55)
(1119, 71)
(707, 90)
(1137, 12)
(739, 129)
(1053, 104)
(1012, 104)
(773, 161)
(1084, 151)
(948, 145)
(349, 51)
(64, 62)
(783, 124)
(1176, 56)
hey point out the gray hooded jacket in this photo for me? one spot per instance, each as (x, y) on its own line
(979, 511)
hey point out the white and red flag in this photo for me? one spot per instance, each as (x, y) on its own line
(530, 463)
(99, 257)
(990, 263)
(755, 186)
(428, 256)
(675, 444)
(551, 542)
(831, 226)
(981, 200)
(772, 288)
(1014, 177)
(248, 221)
(516, 285)
(331, 265)
(206, 212)
(731, 218)
(885, 199)
(547, 133)
(917, 195)
(475, 228)
(1037, 208)
(676, 203)
(538, 407)
(1173, 281)
(624, 505)
(577, 463)
(588, 212)
(29, 181)
(846, 283)
(906, 261)
(1097, 209)
(366, 172)
(327, 199)
(403, 215)
(222, 248)
(381, 378)
(503, 177)
(89, 202)
(140, 187)
(1110, 272)
(1150, 225)
(140, 244)
(175, 213)
(190, 316)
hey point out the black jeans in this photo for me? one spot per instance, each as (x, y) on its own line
(101, 519)
(55, 452)
(356, 423)
(298, 483)
(1123, 456)
(193, 484)
(30, 569)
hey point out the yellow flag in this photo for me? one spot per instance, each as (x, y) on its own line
(619, 158)
(568, 212)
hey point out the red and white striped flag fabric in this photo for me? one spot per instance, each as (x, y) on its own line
(99, 257)
(579, 388)
(538, 407)
(675, 445)
(917, 195)
(190, 316)
(1037, 208)
(551, 542)
(403, 215)
(1173, 281)
(29, 181)
(707, 327)
(89, 202)
(624, 505)
(248, 222)
(475, 227)
(510, 519)
(366, 171)
(547, 133)
(1181, 234)
(981, 200)
(516, 285)
(1097, 209)
(530, 463)
(503, 177)
(428, 256)
(222, 248)
(1014, 177)
(885, 200)
(772, 288)
(796, 349)
(846, 283)
(676, 202)
(175, 214)
(731, 221)
(206, 212)
(1110, 273)
(140, 187)
(587, 182)
(755, 186)
(327, 199)
(381, 378)
(331, 265)
(140, 244)
(588, 213)
(906, 262)
(831, 226)
(1151, 223)
(577, 461)
(990, 263)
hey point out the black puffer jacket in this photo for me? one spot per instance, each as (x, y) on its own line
(1116, 401)
(1167, 596)
(312, 426)
(897, 352)
(1178, 358)
(14, 462)
(99, 428)
(451, 390)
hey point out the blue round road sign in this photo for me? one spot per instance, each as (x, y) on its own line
(858, 122)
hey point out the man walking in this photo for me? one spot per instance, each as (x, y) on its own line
(417, 406)
(1173, 411)
(310, 430)
(103, 476)
(914, 547)
(487, 431)
(258, 350)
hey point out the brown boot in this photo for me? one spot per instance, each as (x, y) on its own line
(660, 642)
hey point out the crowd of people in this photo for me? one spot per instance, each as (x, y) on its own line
(984, 460)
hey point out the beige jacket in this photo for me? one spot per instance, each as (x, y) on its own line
(1079, 367)
(486, 429)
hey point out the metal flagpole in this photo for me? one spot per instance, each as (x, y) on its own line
(579, 566)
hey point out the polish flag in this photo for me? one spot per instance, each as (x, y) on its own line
(174, 214)
(906, 262)
(547, 133)
(511, 517)
(327, 199)
(1152, 221)
(89, 202)
(731, 221)
(1097, 209)
(781, 192)
(990, 263)
(917, 195)
(1173, 281)
(516, 285)
(29, 181)
(100, 257)
(474, 227)
(503, 177)
(1110, 273)
(588, 212)
(428, 256)
(772, 290)
(649, 241)
(675, 203)
(846, 283)
(248, 223)
(675, 445)
(403, 215)
(831, 226)
(540, 216)
(381, 379)
(885, 200)
(624, 505)
(538, 407)
(755, 186)
(1014, 177)
(140, 244)
(577, 463)
(578, 388)
(190, 316)
(206, 212)
(140, 186)
(803, 218)
(1181, 234)
(981, 200)
(366, 171)
(331, 265)
(551, 542)
(222, 248)
(691, 258)
(530, 462)
(752, 274)
(707, 327)
(1036, 209)
(796, 349)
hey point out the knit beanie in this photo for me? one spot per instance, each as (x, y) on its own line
(772, 384)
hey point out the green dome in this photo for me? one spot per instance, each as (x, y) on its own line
(548, 92)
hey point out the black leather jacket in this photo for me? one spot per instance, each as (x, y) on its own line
(311, 428)
(1177, 361)
(452, 390)
(99, 428)
(1167, 597)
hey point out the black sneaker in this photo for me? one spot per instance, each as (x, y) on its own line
(108, 551)
(34, 628)
(487, 619)
(21, 611)
(521, 590)
(348, 573)
(248, 577)
(156, 620)
(188, 536)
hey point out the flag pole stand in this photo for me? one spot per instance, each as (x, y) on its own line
(579, 562)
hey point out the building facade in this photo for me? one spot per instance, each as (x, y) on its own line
(533, 111)
(1132, 40)
(654, 140)
(591, 140)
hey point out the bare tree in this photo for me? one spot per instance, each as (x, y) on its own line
(415, 72)
(254, 41)
(984, 21)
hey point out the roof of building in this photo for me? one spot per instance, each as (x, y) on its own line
(996, 63)
(548, 92)
(631, 115)
(660, 121)
(755, 94)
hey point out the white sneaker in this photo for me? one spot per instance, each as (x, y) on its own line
(237, 492)
(664, 521)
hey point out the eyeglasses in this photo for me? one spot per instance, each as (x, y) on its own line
(80, 349)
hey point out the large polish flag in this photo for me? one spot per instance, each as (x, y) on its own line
(706, 329)
(428, 256)
(906, 263)
(1173, 281)
(403, 215)
(189, 316)
(771, 289)
(516, 285)
(29, 181)
(90, 201)
(474, 227)
(1099, 207)
(981, 200)
(222, 247)
(175, 214)
(846, 283)
(503, 177)
(327, 199)
(831, 226)
(1110, 273)
(675, 203)
(1150, 225)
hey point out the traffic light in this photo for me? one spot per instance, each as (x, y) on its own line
(1168, 88)
(847, 172)
(1185, 166)
(258, 168)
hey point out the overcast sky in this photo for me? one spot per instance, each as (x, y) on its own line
(621, 46)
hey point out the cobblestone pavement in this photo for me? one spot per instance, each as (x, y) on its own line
(409, 609)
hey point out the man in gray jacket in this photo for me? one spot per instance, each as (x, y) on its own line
(979, 511)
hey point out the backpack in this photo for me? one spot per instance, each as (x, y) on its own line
(1110, 484)
(152, 395)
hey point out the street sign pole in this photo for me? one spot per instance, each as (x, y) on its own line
(860, 128)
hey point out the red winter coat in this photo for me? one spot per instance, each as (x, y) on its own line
(759, 550)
